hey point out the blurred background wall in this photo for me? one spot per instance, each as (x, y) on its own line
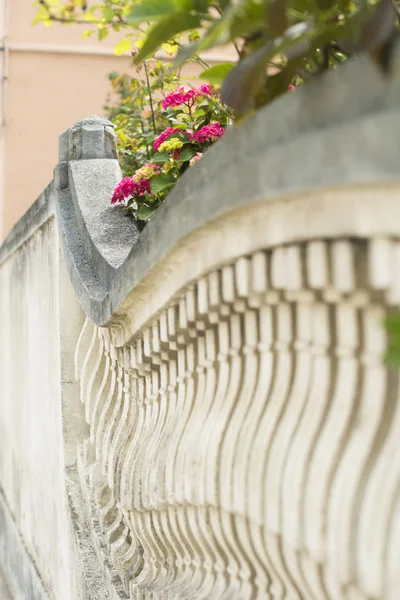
(50, 78)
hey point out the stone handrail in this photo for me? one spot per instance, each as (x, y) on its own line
(204, 410)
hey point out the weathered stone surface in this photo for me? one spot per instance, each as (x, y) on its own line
(19, 577)
(230, 430)
(326, 135)
(92, 137)
(4, 589)
(112, 232)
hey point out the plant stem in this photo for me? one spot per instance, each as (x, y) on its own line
(150, 97)
(147, 147)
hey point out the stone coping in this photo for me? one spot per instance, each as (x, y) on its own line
(340, 131)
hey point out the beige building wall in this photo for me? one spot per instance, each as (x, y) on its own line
(50, 78)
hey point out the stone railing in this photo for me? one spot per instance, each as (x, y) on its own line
(204, 410)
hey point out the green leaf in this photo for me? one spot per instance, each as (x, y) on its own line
(193, 36)
(144, 213)
(392, 326)
(160, 157)
(185, 53)
(165, 30)
(378, 32)
(183, 137)
(102, 33)
(217, 73)
(186, 155)
(276, 17)
(245, 80)
(236, 21)
(200, 5)
(122, 47)
(108, 13)
(160, 182)
(151, 10)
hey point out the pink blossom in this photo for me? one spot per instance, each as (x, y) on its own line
(179, 96)
(205, 88)
(128, 188)
(165, 135)
(195, 158)
(208, 133)
(146, 172)
(144, 187)
(123, 190)
(291, 88)
(176, 154)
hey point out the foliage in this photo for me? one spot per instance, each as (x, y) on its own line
(278, 42)
(393, 334)
(136, 114)
(194, 120)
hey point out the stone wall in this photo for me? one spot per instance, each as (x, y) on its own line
(204, 410)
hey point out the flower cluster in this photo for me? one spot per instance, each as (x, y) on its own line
(179, 96)
(183, 95)
(164, 136)
(197, 122)
(208, 133)
(170, 145)
(146, 172)
(128, 188)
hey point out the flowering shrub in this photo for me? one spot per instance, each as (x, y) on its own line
(136, 112)
(195, 119)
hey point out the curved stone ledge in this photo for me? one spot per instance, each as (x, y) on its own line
(306, 151)
(236, 422)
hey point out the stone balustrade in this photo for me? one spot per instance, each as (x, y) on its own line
(204, 410)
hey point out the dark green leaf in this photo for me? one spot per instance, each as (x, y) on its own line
(184, 137)
(165, 30)
(378, 32)
(325, 4)
(217, 73)
(161, 182)
(186, 155)
(200, 5)
(185, 53)
(244, 81)
(144, 213)
(249, 18)
(151, 10)
(160, 157)
(276, 17)
(217, 34)
(393, 332)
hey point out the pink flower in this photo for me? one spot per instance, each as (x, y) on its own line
(165, 135)
(179, 96)
(123, 190)
(144, 187)
(205, 88)
(208, 133)
(195, 158)
(128, 188)
(176, 154)
(291, 88)
(146, 172)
